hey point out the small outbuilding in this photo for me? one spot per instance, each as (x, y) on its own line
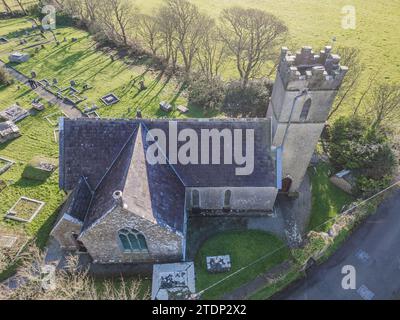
(18, 57)
(8, 131)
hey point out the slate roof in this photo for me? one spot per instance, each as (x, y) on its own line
(102, 152)
(88, 147)
(79, 200)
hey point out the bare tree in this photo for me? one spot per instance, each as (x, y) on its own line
(91, 7)
(71, 283)
(212, 53)
(251, 36)
(149, 32)
(6, 6)
(117, 17)
(385, 103)
(21, 6)
(349, 57)
(168, 36)
(188, 23)
(74, 8)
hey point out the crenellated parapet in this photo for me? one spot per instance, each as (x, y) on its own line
(307, 70)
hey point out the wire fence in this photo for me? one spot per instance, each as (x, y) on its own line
(283, 247)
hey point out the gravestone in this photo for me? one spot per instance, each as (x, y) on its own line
(165, 106)
(218, 264)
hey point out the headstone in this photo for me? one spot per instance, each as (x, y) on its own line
(219, 264)
(33, 74)
(73, 83)
(139, 114)
(48, 277)
(182, 109)
(165, 106)
(142, 86)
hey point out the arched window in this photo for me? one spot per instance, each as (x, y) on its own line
(305, 110)
(227, 199)
(195, 199)
(132, 240)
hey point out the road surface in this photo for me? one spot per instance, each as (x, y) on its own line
(373, 249)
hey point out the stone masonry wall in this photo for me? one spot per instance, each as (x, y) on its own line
(103, 244)
(64, 230)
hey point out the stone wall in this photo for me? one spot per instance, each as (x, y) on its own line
(242, 199)
(103, 244)
(64, 230)
(299, 137)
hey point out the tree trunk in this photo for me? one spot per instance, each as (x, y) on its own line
(21, 6)
(6, 6)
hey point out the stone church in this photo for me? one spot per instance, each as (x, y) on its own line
(122, 209)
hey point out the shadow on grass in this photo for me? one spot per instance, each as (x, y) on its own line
(327, 199)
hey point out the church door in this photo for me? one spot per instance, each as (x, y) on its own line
(286, 184)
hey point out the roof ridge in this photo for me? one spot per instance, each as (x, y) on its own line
(116, 158)
(126, 144)
(166, 158)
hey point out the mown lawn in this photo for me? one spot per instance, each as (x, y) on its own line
(244, 247)
(327, 199)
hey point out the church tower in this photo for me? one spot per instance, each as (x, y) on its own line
(304, 91)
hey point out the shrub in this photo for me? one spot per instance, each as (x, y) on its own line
(354, 145)
(205, 93)
(5, 78)
(249, 101)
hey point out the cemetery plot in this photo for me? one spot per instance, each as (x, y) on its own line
(40, 168)
(110, 99)
(56, 134)
(8, 131)
(5, 164)
(25, 209)
(14, 113)
(53, 118)
(93, 115)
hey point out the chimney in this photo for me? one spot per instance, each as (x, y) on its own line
(117, 195)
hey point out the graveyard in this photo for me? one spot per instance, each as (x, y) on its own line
(93, 79)
(90, 80)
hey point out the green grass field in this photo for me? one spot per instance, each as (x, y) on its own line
(327, 199)
(316, 22)
(244, 247)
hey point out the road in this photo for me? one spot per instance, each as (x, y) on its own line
(373, 249)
